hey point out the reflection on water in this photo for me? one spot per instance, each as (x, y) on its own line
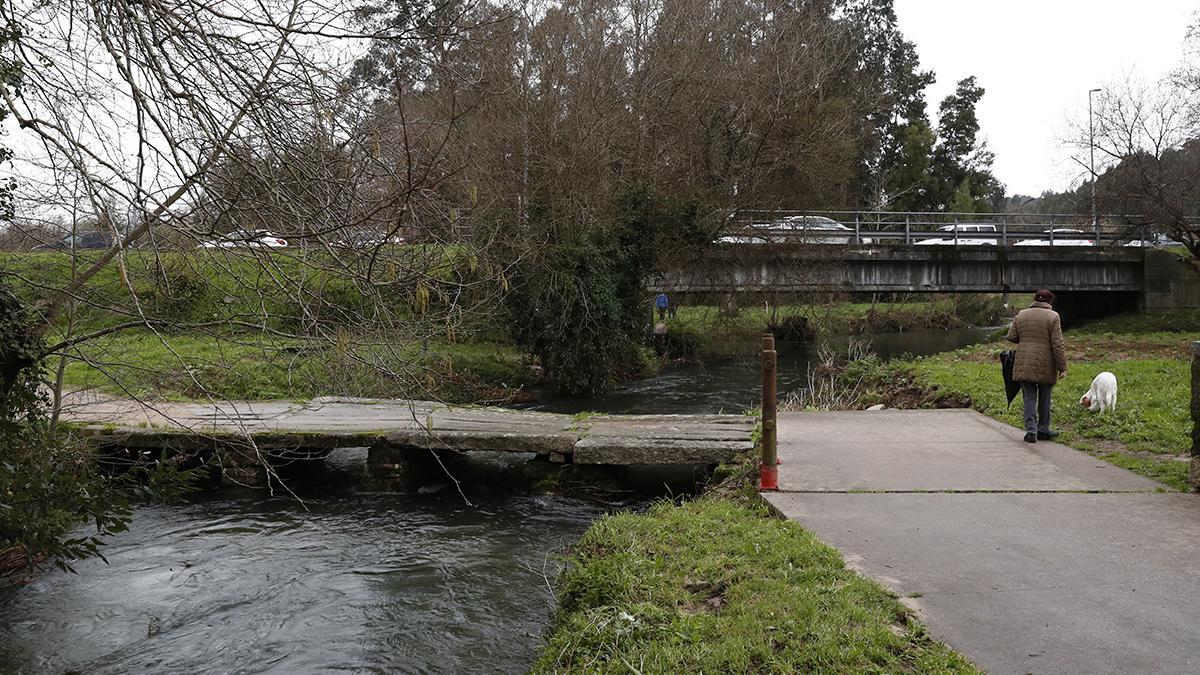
(733, 384)
(349, 580)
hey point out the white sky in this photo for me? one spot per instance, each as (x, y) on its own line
(1036, 60)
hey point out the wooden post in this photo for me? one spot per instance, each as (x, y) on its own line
(1194, 473)
(768, 471)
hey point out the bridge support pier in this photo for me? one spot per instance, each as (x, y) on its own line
(392, 467)
(240, 467)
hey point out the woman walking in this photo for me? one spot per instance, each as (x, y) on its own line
(1041, 361)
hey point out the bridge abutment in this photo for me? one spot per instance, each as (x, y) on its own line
(1170, 283)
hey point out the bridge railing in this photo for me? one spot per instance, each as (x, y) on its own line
(937, 229)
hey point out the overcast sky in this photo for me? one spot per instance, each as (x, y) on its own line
(1036, 59)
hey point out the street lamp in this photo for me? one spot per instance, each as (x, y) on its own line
(1092, 165)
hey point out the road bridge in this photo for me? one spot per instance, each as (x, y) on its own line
(1153, 278)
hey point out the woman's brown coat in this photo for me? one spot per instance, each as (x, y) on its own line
(1041, 355)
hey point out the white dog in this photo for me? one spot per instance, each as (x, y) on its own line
(1103, 394)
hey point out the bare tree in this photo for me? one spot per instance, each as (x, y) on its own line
(167, 124)
(1147, 145)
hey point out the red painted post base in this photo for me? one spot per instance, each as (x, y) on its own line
(768, 477)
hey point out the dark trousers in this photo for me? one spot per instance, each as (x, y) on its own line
(1036, 398)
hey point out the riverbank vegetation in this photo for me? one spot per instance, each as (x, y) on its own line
(715, 330)
(1149, 433)
(220, 325)
(49, 486)
(717, 585)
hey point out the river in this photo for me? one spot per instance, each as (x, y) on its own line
(733, 384)
(351, 579)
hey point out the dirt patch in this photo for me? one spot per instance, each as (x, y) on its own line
(1105, 446)
(904, 392)
(1101, 349)
(1094, 348)
(711, 597)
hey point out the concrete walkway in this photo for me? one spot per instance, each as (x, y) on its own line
(1025, 558)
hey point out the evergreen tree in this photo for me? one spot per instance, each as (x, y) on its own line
(889, 86)
(907, 182)
(960, 160)
(963, 201)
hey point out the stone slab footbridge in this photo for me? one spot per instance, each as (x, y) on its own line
(395, 430)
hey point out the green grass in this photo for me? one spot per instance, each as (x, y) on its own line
(282, 288)
(1154, 374)
(291, 291)
(181, 367)
(715, 586)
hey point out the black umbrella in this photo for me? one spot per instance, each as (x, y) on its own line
(1006, 369)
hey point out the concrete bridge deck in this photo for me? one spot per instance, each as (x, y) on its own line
(313, 428)
(1156, 278)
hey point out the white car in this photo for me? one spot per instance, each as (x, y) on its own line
(968, 235)
(366, 238)
(1063, 236)
(1158, 240)
(248, 238)
(795, 230)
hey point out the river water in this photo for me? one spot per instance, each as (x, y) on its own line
(733, 384)
(351, 579)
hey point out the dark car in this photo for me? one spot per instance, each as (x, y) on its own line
(78, 241)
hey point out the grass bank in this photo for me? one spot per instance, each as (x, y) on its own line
(278, 324)
(187, 366)
(1149, 433)
(721, 586)
(715, 331)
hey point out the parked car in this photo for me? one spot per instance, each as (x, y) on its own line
(249, 238)
(794, 230)
(968, 235)
(1063, 236)
(82, 240)
(1158, 240)
(366, 238)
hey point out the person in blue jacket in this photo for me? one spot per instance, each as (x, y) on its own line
(662, 303)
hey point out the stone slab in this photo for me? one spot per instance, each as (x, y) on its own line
(1031, 583)
(630, 451)
(335, 422)
(932, 450)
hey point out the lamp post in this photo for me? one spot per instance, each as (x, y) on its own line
(1092, 165)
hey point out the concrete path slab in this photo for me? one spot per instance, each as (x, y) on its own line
(932, 450)
(1026, 558)
(1031, 583)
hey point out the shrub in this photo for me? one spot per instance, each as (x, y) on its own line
(174, 289)
(48, 486)
(566, 308)
(579, 303)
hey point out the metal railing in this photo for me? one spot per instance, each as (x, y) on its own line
(938, 228)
